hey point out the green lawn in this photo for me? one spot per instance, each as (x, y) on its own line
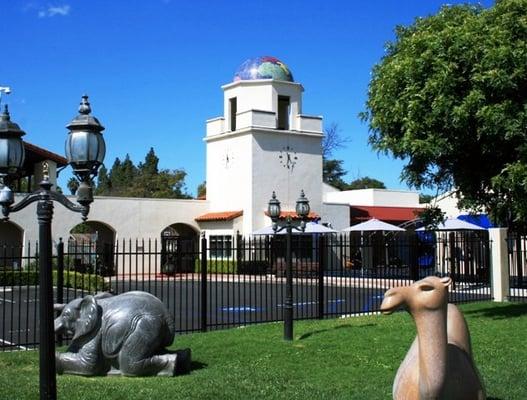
(353, 358)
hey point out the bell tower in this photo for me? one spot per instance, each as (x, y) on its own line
(263, 143)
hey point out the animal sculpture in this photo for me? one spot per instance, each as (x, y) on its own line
(439, 363)
(123, 335)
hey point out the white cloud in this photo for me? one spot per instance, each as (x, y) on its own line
(52, 11)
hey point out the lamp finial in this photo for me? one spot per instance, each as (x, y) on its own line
(84, 107)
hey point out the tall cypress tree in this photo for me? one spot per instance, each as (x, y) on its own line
(104, 183)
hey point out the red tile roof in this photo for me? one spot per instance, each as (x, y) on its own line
(219, 216)
(363, 213)
(45, 154)
(284, 214)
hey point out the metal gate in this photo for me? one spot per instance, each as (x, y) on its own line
(517, 249)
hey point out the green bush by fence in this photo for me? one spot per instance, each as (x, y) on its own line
(219, 266)
(74, 280)
(234, 267)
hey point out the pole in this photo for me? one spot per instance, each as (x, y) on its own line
(321, 260)
(48, 383)
(60, 279)
(288, 309)
(203, 283)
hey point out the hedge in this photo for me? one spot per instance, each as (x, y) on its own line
(74, 280)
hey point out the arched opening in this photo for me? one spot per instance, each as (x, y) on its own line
(91, 248)
(179, 249)
(11, 243)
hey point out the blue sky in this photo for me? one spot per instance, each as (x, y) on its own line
(153, 69)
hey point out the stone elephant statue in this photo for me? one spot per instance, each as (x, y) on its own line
(124, 335)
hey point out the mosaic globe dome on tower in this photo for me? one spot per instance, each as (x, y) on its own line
(265, 67)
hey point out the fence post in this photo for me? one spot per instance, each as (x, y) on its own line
(414, 257)
(203, 283)
(321, 262)
(499, 264)
(60, 279)
(453, 257)
(239, 249)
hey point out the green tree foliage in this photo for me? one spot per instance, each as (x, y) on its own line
(145, 180)
(104, 184)
(83, 227)
(449, 97)
(425, 198)
(366, 183)
(202, 189)
(333, 173)
(73, 185)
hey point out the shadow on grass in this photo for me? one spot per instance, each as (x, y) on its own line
(508, 311)
(346, 326)
(493, 398)
(195, 365)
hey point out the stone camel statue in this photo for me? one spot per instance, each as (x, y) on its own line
(439, 363)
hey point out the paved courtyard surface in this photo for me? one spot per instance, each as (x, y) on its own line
(230, 303)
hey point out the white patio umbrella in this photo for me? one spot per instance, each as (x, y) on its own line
(373, 225)
(311, 227)
(454, 224)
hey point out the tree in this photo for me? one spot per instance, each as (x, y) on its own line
(333, 172)
(333, 140)
(145, 180)
(425, 198)
(449, 98)
(366, 183)
(150, 166)
(104, 184)
(202, 189)
(73, 185)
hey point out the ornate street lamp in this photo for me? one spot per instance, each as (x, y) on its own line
(85, 150)
(302, 210)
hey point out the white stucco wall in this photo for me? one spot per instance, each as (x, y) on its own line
(447, 202)
(130, 218)
(229, 178)
(336, 214)
(270, 172)
(244, 167)
(263, 95)
(375, 197)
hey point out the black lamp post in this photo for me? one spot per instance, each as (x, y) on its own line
(85, 153)
(302, 210)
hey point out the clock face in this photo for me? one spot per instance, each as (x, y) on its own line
(227, 159)
(288, 157)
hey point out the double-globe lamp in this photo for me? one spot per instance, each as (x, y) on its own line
(85, 150)
(302, 211)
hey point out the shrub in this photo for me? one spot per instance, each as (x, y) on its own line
(253, 267)
(217, 266)
(72, 279)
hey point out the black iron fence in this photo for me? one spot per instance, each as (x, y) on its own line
(517, 249)
(211, 284)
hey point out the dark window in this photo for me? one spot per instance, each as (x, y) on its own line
(283, 112)
(220, 246)
(234, 109)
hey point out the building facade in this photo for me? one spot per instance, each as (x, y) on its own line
(263, 143)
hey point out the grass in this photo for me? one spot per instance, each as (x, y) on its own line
(353, 358)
